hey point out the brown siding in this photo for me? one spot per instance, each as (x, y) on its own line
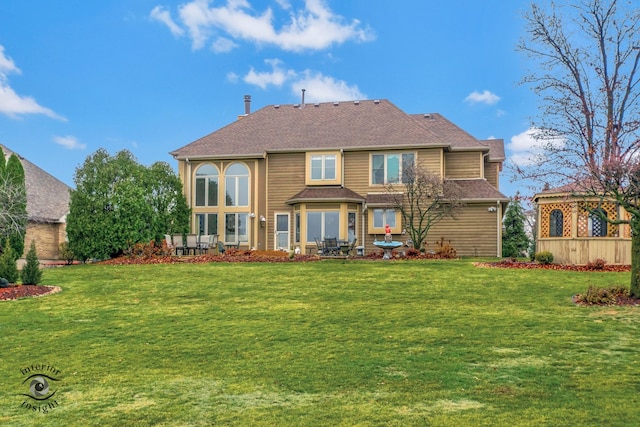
(285, 179)
(431, 159)
(463, 165)
(491, 173)
(473, 233)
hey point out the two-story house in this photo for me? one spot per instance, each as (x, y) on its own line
(284, 175)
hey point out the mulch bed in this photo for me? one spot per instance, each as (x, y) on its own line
(24, 291)
(536, 265)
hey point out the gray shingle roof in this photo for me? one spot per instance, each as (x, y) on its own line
(353, 125)
(479, 189)
(47, 197)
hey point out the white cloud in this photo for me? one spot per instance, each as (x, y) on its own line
(162, 15)
(527, 150)
(314, 27)
(6, 65)
(69, 142)
(321, 88)
(276, 77)
(485, 97)
(232, 77)
(12, 104)
(223, 45)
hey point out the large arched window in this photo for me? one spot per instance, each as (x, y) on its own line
(207, 185)
(237, 185)
(597, 223)
(556, 222)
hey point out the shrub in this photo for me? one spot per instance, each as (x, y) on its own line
(544, 257)
(597, 264)
(603, 296)
(66, 253)
(412, 252)
(8, 267)
(31, 273)
(444, 249)
(4, 283)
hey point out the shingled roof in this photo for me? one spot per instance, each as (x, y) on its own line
(47, 197)
(353, 125)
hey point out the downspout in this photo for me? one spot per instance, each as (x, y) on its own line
(499, 233)
(364, 241)
(188, 186)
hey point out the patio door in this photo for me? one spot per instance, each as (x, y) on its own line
(282, 231)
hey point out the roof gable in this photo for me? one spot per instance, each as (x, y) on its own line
(47, 196)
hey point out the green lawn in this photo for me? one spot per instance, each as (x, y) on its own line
(323, 343)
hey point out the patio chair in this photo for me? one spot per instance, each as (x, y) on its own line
(178, 244)
(192, 243)
(320, 245)
(331, 245)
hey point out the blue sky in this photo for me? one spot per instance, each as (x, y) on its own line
(151, 76)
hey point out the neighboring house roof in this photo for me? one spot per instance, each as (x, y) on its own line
(326, 194)
(354, 125)
(47, 196)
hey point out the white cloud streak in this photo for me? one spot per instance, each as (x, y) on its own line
(162, 15)
(319, 88)
(12, 104)
(315, 27)
(69, 142)
(527, 150)
(485, 97)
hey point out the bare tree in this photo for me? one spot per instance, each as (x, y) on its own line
(13, 200)
(587, 56)
(424, 199)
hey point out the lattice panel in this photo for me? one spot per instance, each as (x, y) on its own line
(583, 217)
(627, 228)
(545, 212)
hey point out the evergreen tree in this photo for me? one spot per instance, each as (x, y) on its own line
(8, 267)
(31, 273)
(515, 241)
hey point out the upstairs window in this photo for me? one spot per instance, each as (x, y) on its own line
(323, 167)
(207, 185)
(556, 222)
(388, 168)
(237, 185)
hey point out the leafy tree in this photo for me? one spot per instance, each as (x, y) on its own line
(424, 199)
(515, 241)
(31, 273)
(8, 267)
(118, 202)
(587, 56)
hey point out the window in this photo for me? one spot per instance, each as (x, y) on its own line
(235, 227)
(387, 168)
(297, 227)
(237, 185)
(207, 186)
(323, 167)
(597, 223)
(351, 226)
(556, 222)
(383, 217)
(322, 224)
(207, 223)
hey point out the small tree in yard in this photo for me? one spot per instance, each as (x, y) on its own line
(587, 75)
(8, 267)
(515, 241)
(31, 273)
(423, 199)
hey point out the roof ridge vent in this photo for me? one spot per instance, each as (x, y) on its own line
(276, 106)
(376, 101)
(317, 104)
(296, 105)
(336, 103)
(356, 102)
